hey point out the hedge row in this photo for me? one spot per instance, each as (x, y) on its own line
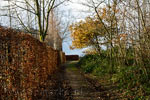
(72, 57)
(25, 63)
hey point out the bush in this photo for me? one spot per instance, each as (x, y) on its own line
(96, 64)
(132, 79)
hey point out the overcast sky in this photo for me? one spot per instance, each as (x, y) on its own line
(75, 10)
(78, 13)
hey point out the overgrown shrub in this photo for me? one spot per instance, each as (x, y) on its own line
(132, 79)
(96, 64)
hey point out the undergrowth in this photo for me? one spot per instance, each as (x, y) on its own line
(133, 81)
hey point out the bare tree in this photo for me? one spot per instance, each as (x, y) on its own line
(132, 24)
(40, 8)
(58, 28)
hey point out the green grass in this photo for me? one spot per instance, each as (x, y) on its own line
(72, 65)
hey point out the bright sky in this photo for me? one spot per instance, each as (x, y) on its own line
(77, 13)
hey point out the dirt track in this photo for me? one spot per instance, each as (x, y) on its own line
(69, 84)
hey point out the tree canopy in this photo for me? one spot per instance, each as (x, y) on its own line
(95, 30)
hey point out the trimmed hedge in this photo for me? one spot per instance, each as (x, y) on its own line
(72, 57)
(25, 64)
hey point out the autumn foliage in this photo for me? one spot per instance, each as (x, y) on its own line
(85, 33)
(72, 57)
(117, 39)
(95, 31)
(25, 63)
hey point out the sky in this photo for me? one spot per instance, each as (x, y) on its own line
(76, 13)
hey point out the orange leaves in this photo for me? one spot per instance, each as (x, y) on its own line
(89, 32)
(103, 13)
(71, 47)
(83, 32)
(90, 51)
(31, 63)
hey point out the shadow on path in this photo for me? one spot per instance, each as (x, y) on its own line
(69, 84)
(81, 88)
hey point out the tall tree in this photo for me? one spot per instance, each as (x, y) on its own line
(41, 9)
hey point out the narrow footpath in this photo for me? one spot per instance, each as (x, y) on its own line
(69, 84)
(81, 89)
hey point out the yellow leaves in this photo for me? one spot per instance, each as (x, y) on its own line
(71, 47)
(84, 31)
(104, 13)
(107, 12)
(90, 51)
